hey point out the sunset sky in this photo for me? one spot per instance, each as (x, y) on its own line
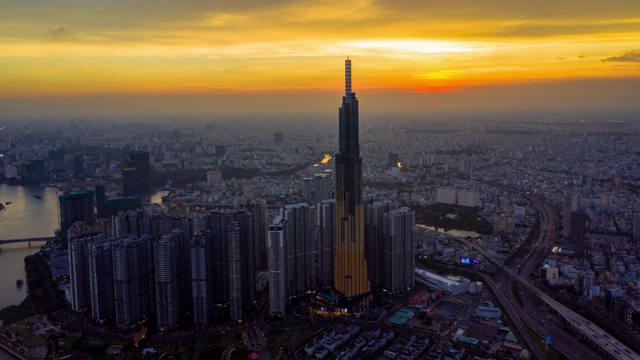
(89, 57)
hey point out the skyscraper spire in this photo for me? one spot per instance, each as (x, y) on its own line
(347, 78)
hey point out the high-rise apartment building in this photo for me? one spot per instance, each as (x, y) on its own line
(446, 196)
(465, 165)
(399, 250)
(235, 271)
(326, 241)
(133, 279)
(101, 280)
(301, 247)
(172, 278)
(160, 225)
(221, 235)
(201, 282)
(351, 276)
(278, 296)
(75, 206)
(258, 210)
(469, 198)
(79, 271)
(323, 186)
(306, 190)
(375, 240)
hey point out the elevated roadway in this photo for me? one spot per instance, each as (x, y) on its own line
(608, 345)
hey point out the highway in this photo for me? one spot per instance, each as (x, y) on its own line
(514, 316)
(607, 344)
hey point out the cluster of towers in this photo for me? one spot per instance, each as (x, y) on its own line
(139, 265)
(155, 266)
(302, 245)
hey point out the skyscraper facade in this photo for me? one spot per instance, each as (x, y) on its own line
(326, 241)
(351, 277)
(301, 243)
(374, 237)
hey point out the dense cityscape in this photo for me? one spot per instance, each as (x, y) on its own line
(392, 240)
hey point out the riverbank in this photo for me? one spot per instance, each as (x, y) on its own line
(43, 293)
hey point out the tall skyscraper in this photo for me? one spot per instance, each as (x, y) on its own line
(399, 250)
(75, 206)
(351, 277)
(278, 297)
(136, 175)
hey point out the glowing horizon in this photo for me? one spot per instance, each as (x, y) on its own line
(87, 48)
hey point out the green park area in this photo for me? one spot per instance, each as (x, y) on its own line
(449, 218)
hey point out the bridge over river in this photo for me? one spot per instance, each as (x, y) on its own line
(29, 240)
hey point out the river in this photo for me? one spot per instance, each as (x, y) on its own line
(25, 217)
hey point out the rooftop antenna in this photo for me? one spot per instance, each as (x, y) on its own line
(347, 79)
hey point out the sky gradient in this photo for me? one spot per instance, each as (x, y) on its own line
(197, 55)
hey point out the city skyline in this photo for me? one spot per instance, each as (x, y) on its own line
(197, 58)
